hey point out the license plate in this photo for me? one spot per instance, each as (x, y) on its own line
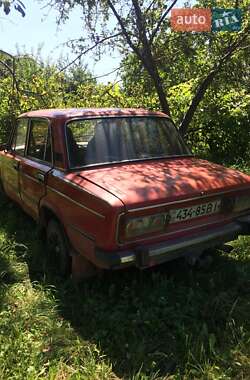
(187, 213)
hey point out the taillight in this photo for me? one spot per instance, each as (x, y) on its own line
(134, 227)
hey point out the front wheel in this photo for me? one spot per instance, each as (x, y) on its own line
(58, 256)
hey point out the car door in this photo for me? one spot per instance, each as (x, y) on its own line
(36, 165)
(12, 159)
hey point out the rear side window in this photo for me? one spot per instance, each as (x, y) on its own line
(19, 138)
(78, 134)
(39, 145)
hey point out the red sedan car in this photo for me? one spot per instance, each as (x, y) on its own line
(119, 187)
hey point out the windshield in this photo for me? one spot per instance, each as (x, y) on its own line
(105, 140)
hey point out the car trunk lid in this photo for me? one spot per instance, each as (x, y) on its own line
(141, 184)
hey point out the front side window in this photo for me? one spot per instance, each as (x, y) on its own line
(116, 139)
(39, 145)
(19, 138)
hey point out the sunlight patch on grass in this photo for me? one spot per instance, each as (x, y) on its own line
(35, 341)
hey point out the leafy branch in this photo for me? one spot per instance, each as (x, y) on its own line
(18, 6)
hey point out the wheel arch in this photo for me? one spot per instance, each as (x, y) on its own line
(46, 213)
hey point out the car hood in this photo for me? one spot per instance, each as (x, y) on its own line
(150, 182)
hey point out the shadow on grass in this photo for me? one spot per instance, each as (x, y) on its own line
(160, 320)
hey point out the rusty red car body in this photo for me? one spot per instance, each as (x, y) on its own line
(187, 204)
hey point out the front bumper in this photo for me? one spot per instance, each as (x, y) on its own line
(145, 256)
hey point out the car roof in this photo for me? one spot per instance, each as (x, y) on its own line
(88, 112)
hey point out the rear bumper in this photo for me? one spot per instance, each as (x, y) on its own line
(149, 255)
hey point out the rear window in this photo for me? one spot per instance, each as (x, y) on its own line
(106, 140)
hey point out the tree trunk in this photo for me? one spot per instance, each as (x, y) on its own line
(195, 102)
(153, 72)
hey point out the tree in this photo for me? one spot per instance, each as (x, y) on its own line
(134, 27)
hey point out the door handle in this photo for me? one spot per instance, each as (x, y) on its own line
(40, 177)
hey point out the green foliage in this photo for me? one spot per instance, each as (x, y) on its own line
(219, 130)
(37, 85)
(224, 118)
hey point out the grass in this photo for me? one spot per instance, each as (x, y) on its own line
(169, 323)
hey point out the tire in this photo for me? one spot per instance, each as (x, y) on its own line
(59, 261)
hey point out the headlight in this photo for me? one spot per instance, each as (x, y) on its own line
(144, 225)
(242, 203)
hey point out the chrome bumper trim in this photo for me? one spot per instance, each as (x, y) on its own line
(127, 259)
(230, 229)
